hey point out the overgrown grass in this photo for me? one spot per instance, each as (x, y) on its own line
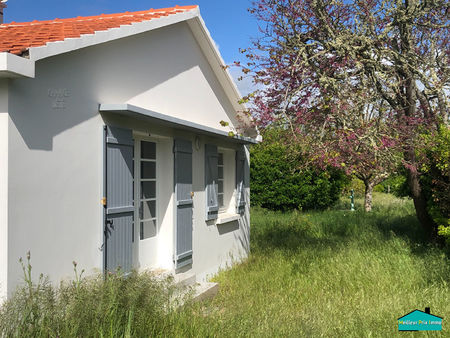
(136, 305)
(335, 274)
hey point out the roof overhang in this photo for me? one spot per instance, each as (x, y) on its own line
(170, 121)
(99, 37)
(209, 48)
(13, 66)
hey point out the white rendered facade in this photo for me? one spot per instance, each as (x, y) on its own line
(52, 152)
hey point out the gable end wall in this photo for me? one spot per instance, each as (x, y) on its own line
(56, 136)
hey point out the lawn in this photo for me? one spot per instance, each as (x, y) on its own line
(334, 273)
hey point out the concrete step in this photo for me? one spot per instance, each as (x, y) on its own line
(161, 274)
(185, 279)
(187, 287)
(186, 283)
(179, 279)
(205, 290)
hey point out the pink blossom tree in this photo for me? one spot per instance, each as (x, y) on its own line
(358, 80)
(363, 143)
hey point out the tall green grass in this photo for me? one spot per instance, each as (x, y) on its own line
(333, 274)
(136, 305)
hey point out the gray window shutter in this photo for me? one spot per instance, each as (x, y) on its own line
(211, 181)
(184, 203)
(241, 163)
(119, 199)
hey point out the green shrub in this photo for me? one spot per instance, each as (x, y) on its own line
(378, 188)
(397, 184)
(434, 156)
(356, 185)
(435, 179)
(280, 180)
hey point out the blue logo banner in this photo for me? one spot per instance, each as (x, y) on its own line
(420, 321)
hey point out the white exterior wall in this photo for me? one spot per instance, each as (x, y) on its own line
(217, 246)
(3, 187)
(56, 148)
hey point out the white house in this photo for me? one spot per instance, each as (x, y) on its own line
(112, 153)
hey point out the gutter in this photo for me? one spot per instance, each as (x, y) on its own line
(170, 121)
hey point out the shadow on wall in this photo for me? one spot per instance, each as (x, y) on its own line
(241, 232)
(63, 94)
(228, 227)
(243, 236)
(69, 87)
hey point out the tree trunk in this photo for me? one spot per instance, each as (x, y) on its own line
(368, 195)
(420, 202)
(409, 110)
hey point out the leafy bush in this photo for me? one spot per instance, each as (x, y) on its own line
(435, 181)
(434, 157)
(378, 188)
(356, 185)
(112, 305)
(396, 184)
(281, 179)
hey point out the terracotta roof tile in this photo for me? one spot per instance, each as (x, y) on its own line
(16, 38)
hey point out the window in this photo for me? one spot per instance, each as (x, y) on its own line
(220, 181)
(147, 190)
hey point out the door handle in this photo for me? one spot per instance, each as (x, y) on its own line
(110, 222)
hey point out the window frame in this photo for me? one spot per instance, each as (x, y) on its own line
(138, 160)
(229, 178)
(223, 207)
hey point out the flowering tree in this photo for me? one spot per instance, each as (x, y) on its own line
(359, 79)
(364, 144)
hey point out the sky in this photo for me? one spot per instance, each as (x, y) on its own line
(229, 22)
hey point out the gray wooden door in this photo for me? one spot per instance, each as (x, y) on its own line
(119, 199)
(184, 203)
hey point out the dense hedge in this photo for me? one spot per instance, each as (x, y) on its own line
(434, 156)
(435, 179)
(277, 183)
(397, 184)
